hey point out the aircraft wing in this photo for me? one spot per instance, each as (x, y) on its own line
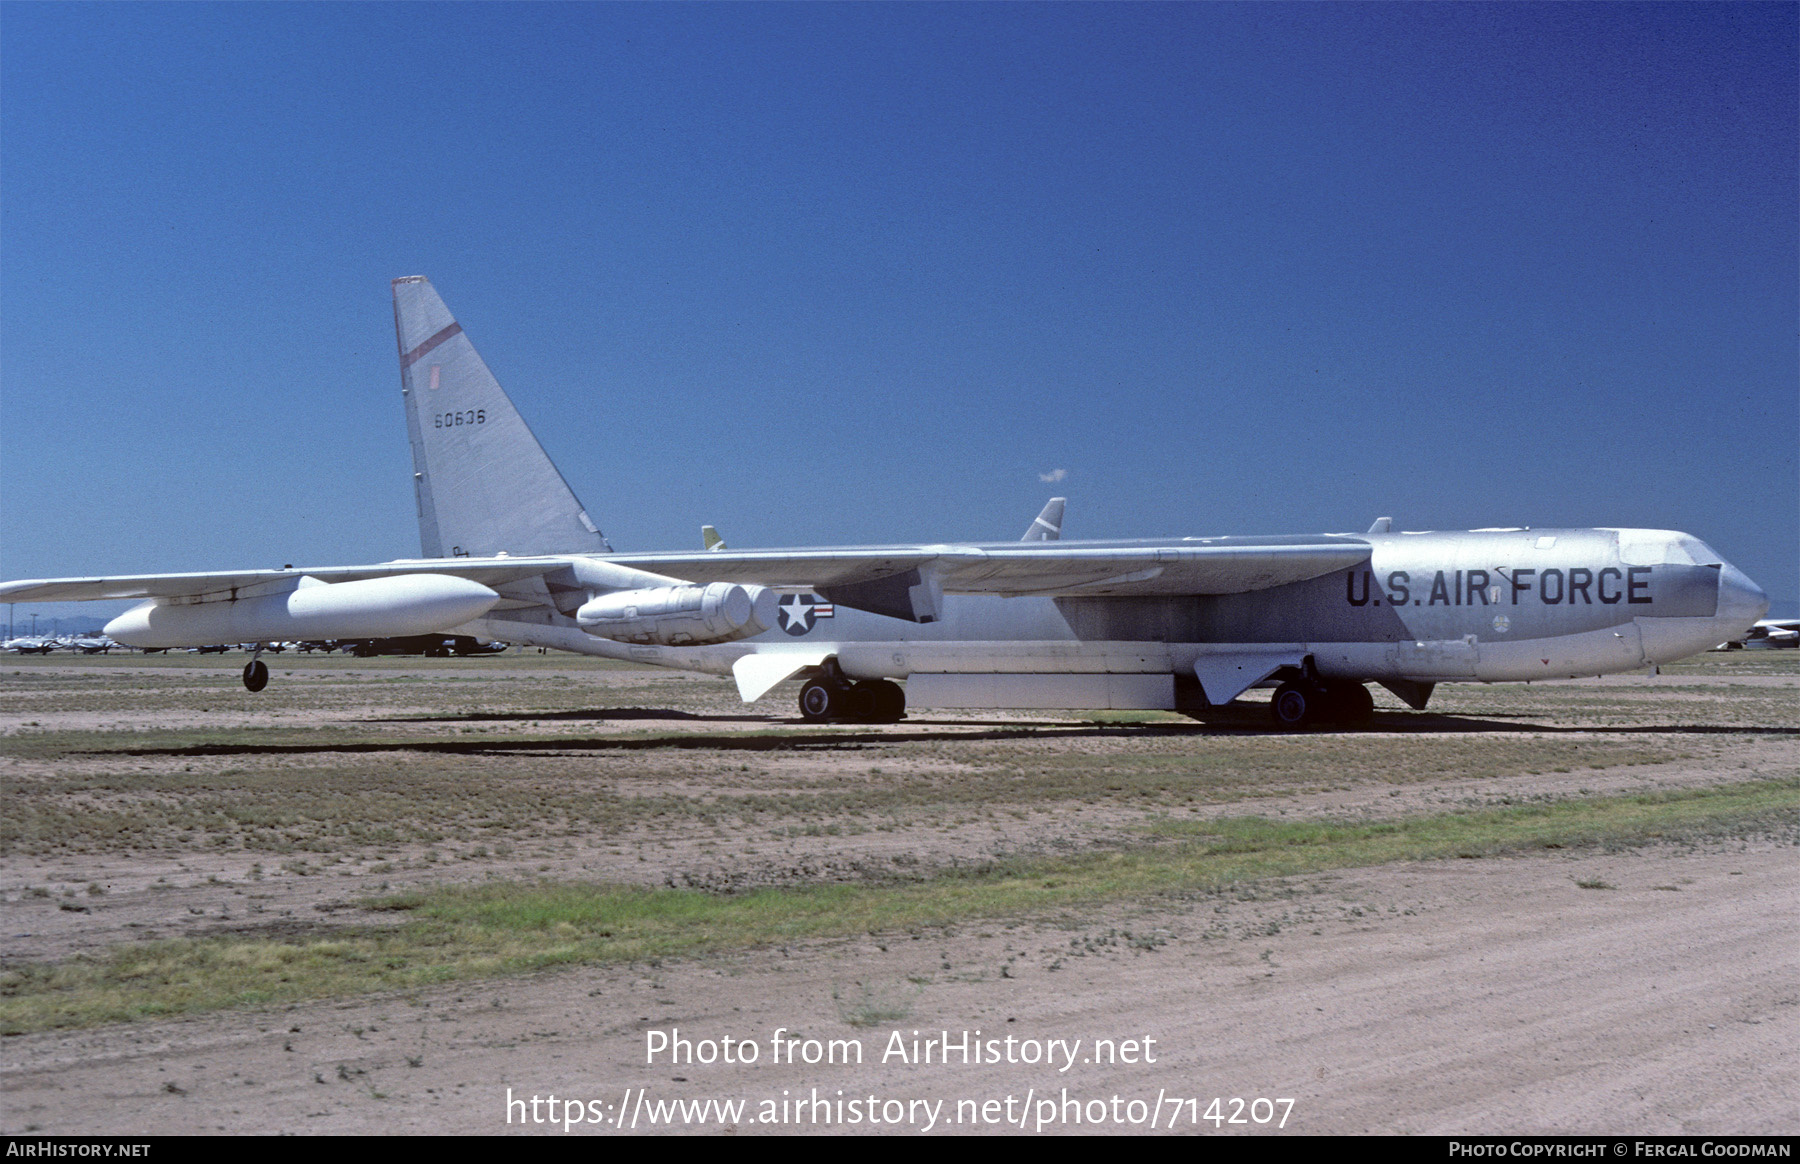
(1196, 566)
(895, 580)
(487, 571)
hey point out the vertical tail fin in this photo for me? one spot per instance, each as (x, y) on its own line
(1047, 527)
(484, 484)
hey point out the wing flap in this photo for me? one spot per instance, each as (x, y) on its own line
(1167, 570)
(1221, 566)
(812, 568)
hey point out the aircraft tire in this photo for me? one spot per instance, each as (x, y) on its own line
(1295, 705)
(1345, 703)
(821, 702)
(859, 703)
(1357, 705)
(890, 701)
(256, 675)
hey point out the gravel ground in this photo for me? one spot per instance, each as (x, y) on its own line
(1495, 995)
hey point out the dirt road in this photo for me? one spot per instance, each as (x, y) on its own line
(1653, 990)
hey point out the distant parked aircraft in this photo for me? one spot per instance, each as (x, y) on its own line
(437, 646)
(1771, 633)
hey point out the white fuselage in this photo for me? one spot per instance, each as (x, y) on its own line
(1483, 606)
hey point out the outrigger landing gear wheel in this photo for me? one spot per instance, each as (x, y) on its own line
(256, 675)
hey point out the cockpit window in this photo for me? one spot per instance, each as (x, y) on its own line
(1700, 553)
(1658, 547)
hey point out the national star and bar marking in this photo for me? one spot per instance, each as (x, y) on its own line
(800, 611)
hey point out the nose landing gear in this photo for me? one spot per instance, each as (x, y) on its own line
(256, 672)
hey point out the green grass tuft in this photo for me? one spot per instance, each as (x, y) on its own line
(504, 928)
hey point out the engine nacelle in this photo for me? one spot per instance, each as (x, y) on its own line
(680, 616)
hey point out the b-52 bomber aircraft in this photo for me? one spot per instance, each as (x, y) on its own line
(508, 553)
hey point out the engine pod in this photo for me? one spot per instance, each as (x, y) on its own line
(680, 616)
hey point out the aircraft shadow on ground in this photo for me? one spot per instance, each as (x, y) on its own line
(645, 713)
(1427, 723)
(853, 738)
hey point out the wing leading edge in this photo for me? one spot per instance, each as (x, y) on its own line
(1212, 566)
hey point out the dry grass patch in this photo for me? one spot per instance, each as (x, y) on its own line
(459, 933)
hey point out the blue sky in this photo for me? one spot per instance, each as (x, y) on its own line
(840, 274)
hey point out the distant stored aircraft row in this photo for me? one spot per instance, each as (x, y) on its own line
(1771, 633)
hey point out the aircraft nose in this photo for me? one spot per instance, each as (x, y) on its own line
(1741, 601)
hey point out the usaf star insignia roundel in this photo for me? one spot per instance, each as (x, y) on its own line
(800, 611)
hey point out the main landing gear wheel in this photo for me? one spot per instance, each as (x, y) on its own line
(889, 703)
(256, 675)
(859, 703)
(821, 701)
(1299, 704)
(1295, 705)
(1351, 703)
(872, 701)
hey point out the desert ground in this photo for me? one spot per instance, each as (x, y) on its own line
(1609, 977)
